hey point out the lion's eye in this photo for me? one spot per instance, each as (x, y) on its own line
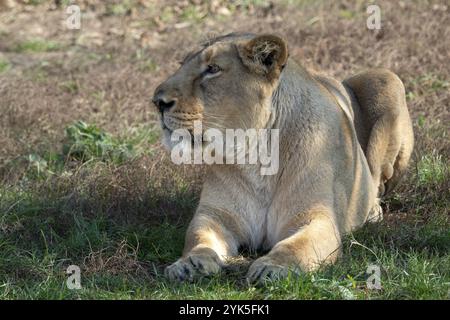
(212, 69)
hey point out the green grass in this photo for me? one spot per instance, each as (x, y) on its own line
(347, 14)
(37, 45)
(120, 9)
(34, 2)
(87, 204)
(432, 168)
(88, 143)
(4, 65)
(432, 82)
(70, 87)
(192, 13)
(35, 269)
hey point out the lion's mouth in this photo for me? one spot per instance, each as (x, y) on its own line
(169, 126)
(172, 123)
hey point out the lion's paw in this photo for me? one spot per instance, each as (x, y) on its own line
(264, 269)
(376, 214)
(193, 266)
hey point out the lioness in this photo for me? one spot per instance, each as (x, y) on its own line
(324, 187)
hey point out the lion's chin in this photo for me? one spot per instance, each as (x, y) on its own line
(169, 144)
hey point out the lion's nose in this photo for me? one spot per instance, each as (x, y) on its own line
(163, 102)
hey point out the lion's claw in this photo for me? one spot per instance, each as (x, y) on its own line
(264, 269)
(192, 266)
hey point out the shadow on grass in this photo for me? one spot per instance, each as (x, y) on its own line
(124, 221)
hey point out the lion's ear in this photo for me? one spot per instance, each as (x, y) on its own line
(265, 54)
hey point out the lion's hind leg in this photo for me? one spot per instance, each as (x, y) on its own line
(401, 162)
(382, 149)
(381, 99)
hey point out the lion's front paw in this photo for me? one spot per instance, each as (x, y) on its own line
(194, 265)
(266, 269)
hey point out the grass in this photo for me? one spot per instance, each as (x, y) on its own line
(125, 262)
(84, 180)
(120, 9)
(432, 168)
(87, 142)
(4, 65)
(37, 45)
(192, 13)
(53, 219)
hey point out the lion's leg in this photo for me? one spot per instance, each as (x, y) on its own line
(315, 243)
(208, 243)
(400, 166)
(382, 148)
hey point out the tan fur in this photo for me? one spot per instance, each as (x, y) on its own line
(324, 187)
(385, 127)
(382, 122)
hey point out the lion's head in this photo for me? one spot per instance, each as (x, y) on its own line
(227, 84)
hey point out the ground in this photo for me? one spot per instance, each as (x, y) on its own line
(84, 180)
